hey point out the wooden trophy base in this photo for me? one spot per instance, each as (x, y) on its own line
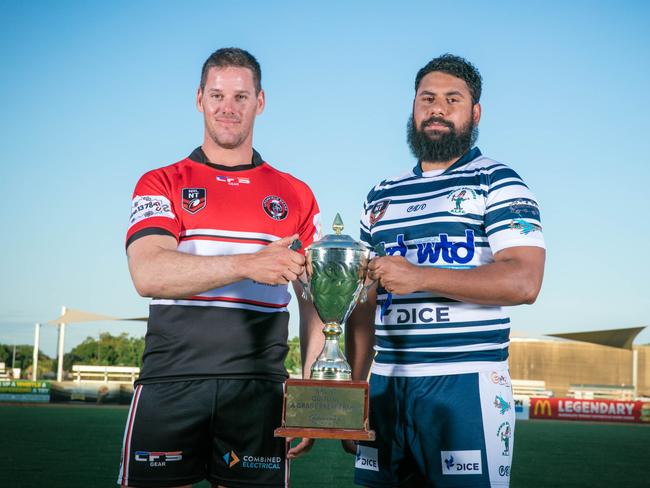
(325, 409)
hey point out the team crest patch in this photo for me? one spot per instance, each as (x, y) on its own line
(193, 199)
(275, 207)
(458, 197)
(378, 210)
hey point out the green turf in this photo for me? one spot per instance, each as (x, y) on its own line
(68, 446)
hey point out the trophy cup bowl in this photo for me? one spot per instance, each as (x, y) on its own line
(336, 268)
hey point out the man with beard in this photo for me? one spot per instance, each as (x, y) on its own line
(212, 239)
(450, 253)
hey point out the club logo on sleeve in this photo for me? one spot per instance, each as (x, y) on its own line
(275, 207)
(378, 210)
(193, 199)
(501, 404)
(367, 458)
(461, 462)
(524, 227)
(146, 206)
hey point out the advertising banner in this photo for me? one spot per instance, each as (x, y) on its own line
(24, 391)
(592, 410)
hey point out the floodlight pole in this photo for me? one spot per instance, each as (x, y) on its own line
(635, 369)
(59, 367)
(37, 334)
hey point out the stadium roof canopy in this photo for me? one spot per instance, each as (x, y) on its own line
(621, 338)
(71, 316)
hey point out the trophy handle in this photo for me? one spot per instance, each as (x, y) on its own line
(363, 297)
(306, 294)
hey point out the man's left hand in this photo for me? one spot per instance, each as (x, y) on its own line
(395, 274)
(299, 449)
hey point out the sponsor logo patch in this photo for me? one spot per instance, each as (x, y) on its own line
(230, 458)
(524, 227)
(367, 458)
(461, 462)
(194, 199)
(504, 432)
(378, 210)
(504, 470)
(157, 459)
(233, 180)
(275, 207)
(499, 379)
(146, 206)
(524, 206)
(501, 404)
(458, 197)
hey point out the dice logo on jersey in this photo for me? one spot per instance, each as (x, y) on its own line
(367, 458)
(275, 207)
(461, 462)
(501, 404)
(458, 197)
(378, 210)
(504, 432)
(193, 199)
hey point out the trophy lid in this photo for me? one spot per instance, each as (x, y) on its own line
(337, 240)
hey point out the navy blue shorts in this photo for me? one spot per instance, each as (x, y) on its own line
(182, 432)
(442, 431)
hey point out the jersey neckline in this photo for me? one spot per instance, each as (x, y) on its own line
(199, 156)
(470, 155)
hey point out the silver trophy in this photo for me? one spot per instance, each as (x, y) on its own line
(336, 271)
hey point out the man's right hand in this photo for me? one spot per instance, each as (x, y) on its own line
(276, 264)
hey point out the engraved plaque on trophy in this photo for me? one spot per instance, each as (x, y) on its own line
(330, 405)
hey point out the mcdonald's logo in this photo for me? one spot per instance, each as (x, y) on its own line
(542, 407)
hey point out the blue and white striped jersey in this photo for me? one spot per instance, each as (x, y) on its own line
(457, 218)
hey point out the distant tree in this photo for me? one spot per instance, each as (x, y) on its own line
(24, 359)
(292, 363)
(108, 350)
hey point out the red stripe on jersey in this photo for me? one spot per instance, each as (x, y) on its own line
(238, 300)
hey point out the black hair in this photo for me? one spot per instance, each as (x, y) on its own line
(454, 66)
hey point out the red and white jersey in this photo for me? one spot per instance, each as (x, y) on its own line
(239, 329)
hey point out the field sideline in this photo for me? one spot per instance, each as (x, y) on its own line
(57, 446)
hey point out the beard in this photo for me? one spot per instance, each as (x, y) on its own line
(226, 141)
(440, 147)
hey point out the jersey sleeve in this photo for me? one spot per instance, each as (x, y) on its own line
(512, 215)
(152, 209)
(364, 225)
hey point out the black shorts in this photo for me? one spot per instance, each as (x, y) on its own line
(217, 429)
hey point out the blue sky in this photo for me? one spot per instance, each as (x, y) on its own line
(93, 94)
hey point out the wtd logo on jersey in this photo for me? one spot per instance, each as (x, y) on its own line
(461, 462)
(367, 458)
(451, 252)
(159, 458)
(459, 196)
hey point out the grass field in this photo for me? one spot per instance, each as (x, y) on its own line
(54, 446)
